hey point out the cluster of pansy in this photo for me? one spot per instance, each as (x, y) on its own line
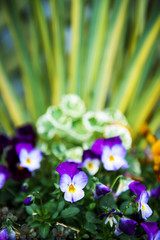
(21, 156)
(110, 152)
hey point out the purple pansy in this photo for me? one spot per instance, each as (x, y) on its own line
(101, 190)
(112, 153)
(24, 135)
(155, 192)
(126, 226)
(137, 188)
(28, 201)
(4, 174)
(4, 142)
(29, 157)
(90, 161)
(72, 181)
(110, 217)
(152, 230)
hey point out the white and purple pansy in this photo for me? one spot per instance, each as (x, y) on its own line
(143, 197)
(72, 181)
(4, 174)
(143, 206)
(90, 161)
(29, 157)
(112, 153)
(151, 230)
(101, 190)
(110, 217)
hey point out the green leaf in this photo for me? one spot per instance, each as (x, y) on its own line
(44, 230)
(70, 212)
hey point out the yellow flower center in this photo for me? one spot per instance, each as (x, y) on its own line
(71, 188)
(28, 160)
(143, 207)
(111, 158)
(90, 165)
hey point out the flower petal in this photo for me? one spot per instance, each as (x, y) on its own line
(2, 179)
(68, 168)
(151, 228)
(77, 195)
(27, 146)
(137, 188)
(127, 226)
(64, 183)
(146, 211)
(144, 197)
(80, 180)
(119, 150)
(35, 155)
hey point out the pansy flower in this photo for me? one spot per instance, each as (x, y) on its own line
(26, 137)
(143, 206)
(101, 190)
(91, 162)
(29, 157)
(123, 186)
(143, 197)
(155, 192)
(4, 174)
(28, 201)
(126, 226)
(110, 217)
(7, 235)
(112, 153)
(72, 181)
(152, 230)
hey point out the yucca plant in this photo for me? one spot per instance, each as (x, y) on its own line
(107, 52)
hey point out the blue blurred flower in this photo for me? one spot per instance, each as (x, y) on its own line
(101, 190)
(28, 201)
(126, 226)
(7, 235)
(152, 230)
(4, 174)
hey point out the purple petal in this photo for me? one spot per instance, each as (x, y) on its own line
(101, 190)
(111, 212)
(26, 133)
(137, 188)
(4, 142)
(28, 201)
(151, 229)
(98, 145)
(4, 234)
(80, 180)
(155, 192)
(2, 179)
(17, 173)
(27, 146)
(127, 226)
(64, 183)
(89, 154)
(68, 168)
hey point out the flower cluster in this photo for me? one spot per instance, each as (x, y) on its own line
(20, 154)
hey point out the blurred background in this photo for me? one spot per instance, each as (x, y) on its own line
(106, 51)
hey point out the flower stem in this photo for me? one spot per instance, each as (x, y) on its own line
(117, 178)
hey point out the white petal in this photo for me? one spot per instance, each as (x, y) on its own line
(146, 211)
(23, 156)
(77, 195)
(64, 183)
(35, 155)
(106, 153)
(68, 196)
(95, 166)
(80, 180)
(119, 150)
